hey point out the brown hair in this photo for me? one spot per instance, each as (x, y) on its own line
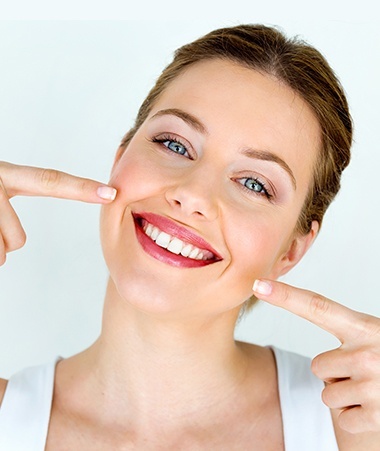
(298, 65)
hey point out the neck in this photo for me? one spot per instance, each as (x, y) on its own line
(164, 367)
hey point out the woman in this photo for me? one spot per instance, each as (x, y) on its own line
(222, 183)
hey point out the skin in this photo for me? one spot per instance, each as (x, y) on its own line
(153, 325)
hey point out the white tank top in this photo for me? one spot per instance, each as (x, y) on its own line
(26, 406)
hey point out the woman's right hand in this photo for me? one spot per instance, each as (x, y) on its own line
(18, 180)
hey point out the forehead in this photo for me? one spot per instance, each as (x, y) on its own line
(241, 107)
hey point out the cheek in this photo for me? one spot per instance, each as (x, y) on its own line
(135, 177)
(256, 244)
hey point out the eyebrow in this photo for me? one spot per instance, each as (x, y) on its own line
(186, 117)
(249, 152)
(269, 156)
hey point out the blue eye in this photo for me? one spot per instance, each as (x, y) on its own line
(173, 144)
(175, 147)
(254, 185)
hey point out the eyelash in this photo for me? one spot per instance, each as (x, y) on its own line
(162, 139)
(172, 139)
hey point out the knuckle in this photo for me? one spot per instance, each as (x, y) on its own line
(50, 178)
(318, 305)
(285, 295)
(83, 186)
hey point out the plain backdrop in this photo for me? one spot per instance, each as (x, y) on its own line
(69, 90)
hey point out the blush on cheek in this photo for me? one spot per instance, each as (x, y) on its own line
(257, 245)
(135, 180)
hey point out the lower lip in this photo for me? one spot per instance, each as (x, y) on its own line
(165, 256)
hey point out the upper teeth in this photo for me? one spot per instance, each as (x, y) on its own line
(175, 245)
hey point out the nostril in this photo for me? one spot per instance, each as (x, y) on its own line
(195, 202)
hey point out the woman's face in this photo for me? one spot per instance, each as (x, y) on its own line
(221, 165)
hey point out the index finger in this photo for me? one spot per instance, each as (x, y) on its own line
(335, 318)
(31, 181)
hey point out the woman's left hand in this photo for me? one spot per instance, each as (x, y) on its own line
(352, 371)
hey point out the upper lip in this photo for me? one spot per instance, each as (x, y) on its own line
(172, 228)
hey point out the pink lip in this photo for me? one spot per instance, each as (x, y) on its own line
(170, 227)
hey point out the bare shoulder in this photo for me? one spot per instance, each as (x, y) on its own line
(3, 386)
(355, 442)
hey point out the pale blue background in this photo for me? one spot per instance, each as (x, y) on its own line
(69, 91)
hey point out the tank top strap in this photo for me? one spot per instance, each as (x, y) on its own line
(26, 407)
(307, 421)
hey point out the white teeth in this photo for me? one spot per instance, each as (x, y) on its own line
(175, 245)
(163, 239)
(155, 233)
(194, 253)
(148, 229)
(186, 250)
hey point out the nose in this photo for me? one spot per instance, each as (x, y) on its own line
(194, 195)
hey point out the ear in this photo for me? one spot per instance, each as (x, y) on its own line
(297, 249)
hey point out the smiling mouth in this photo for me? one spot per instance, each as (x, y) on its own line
(171, 246)
(175, 245)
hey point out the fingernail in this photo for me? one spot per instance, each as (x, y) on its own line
(262, 287)
(106, 192)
